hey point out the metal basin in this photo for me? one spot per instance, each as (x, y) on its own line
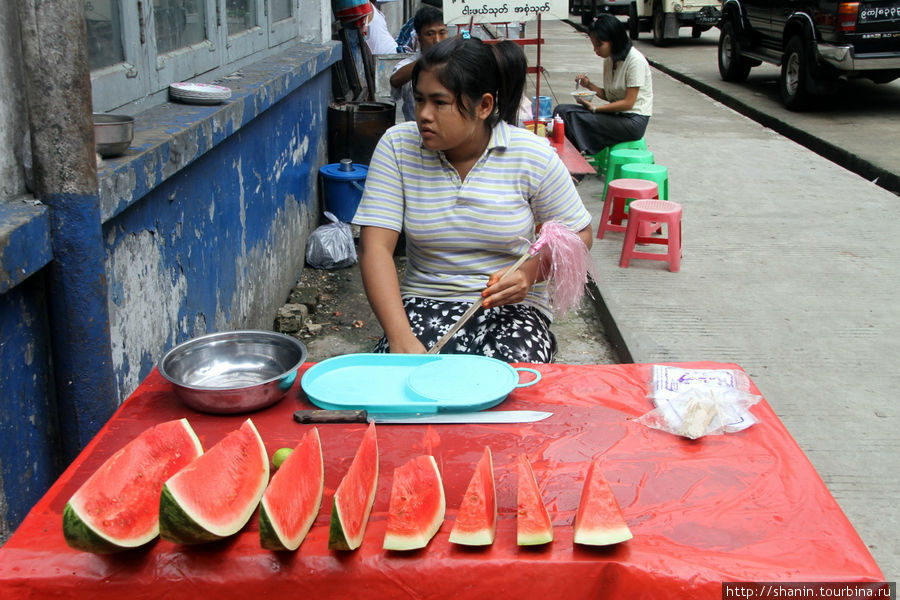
(112, 134)
(235, 371)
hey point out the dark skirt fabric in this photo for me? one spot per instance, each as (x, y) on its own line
(592, 132)
(511, 333)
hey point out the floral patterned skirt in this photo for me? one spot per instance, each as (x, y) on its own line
(511, 333)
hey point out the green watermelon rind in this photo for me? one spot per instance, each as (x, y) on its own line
(81, 535)
(485, 536)
(337, 539)
(268, 536)
(177, 525)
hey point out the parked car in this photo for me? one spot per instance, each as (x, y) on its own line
(817, 43)
(661, 17)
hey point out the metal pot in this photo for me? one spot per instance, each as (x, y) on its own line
(235, 371)
(112, 134)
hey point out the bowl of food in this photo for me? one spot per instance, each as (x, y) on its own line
(112, 134)
(583, 94)
(233, 371)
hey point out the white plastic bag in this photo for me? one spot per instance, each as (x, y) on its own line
(693, 403)
(331, 246)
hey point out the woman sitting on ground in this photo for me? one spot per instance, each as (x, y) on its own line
(627, 88)
(468, 190)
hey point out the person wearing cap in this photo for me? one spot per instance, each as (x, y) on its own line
(430, 29)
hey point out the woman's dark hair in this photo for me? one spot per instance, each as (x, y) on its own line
(470, 68)
(608, 28)
(425, 16)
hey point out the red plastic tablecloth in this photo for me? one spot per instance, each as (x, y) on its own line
(740, 507)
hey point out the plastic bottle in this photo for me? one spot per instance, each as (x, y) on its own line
(559, 132)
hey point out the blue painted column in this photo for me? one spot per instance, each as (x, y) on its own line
(58, 93)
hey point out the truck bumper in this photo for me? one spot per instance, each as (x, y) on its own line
(841, 57)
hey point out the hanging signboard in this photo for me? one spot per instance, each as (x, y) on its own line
(462, 12)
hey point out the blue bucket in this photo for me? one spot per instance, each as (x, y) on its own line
(546, 107)
(342, 185)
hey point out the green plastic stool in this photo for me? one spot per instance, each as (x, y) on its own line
(619, 158)
(650, 172)
(600, 161)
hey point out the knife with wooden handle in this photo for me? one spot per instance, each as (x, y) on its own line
(363, 416)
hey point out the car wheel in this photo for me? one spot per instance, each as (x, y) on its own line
(794, 75)
(732, 66)
(634, 25)
(659, 25)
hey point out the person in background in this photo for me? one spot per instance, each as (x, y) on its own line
(428, 23)
(378, 38)
(627, 88)
(468, 190)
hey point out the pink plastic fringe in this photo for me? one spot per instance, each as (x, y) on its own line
(568, 267)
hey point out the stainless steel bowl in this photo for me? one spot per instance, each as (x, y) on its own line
(234, 371)
(112, 134)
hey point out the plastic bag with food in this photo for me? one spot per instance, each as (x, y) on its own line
(693, 403)
(331, 246)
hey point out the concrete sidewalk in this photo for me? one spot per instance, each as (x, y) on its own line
(789, 270)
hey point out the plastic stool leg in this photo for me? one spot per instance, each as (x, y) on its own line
(628, 244)
(674, 233)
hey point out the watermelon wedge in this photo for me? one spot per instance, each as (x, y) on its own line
(214, 496)
(533, 525)
(476, 521)
(599, 520)
(354, 496)
(117, 507)
(291, 502)
(417, 505)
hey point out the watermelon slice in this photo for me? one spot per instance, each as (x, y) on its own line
(599, 520)
(117, 508)
(533, 525)
(214, 496)
(476, 521)
(354, 496)
(291, 502)
(417, 505)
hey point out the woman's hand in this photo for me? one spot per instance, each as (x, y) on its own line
(511, 289)
(585, 103)
(583, 81)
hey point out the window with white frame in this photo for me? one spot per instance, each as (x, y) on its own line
(137, 48)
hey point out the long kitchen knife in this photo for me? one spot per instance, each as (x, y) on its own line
(363, 416)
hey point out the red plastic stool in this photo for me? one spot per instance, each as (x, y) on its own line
(618, 193)
(659, 211)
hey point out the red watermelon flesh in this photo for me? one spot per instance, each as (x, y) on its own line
(599, 520)
(417, 505)
(533, 521)
(476, 521)
(117, 507)
(215, 496)
(354, 496)
(291, 502)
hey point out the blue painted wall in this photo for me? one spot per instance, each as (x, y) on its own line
(203, 228)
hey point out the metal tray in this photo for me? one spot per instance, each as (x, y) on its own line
(404, 383)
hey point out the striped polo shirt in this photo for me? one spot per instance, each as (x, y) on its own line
(458, 233)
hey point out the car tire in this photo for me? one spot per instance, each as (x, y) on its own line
(634, 24)
(794, 81)
(659, 25)
(732, 66)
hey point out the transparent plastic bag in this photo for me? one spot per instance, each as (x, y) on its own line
(331, 246)
(693, 403)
